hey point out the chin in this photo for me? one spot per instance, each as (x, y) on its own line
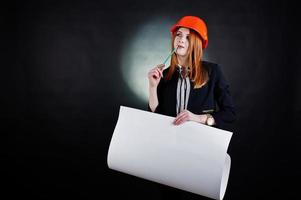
(181, 53)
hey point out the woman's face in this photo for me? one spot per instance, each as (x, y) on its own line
(182, 41)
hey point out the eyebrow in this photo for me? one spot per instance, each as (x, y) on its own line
(182, 32)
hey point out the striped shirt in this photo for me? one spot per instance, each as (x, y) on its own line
(183, 91)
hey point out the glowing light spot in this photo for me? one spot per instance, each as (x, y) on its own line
(147, 48)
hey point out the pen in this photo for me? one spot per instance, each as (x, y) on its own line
(174, 50)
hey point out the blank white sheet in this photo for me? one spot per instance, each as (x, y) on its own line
(192, 156)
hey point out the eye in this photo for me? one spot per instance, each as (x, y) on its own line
(178, 34)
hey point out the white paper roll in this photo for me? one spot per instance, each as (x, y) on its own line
(192, 157)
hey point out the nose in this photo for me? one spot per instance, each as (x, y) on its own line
(182, 40)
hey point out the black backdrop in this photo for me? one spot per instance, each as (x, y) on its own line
(62, 89)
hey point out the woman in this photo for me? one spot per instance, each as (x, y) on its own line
(191, 89)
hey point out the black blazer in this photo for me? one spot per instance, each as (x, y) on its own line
(214, 97)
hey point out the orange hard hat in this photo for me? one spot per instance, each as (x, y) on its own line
(194, 23)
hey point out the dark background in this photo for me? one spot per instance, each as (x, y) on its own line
(62, 88)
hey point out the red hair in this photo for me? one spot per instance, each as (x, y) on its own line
(198, 74)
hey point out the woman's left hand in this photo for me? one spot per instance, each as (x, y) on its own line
(186, 115)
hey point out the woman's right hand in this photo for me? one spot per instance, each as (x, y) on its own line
(154, 75)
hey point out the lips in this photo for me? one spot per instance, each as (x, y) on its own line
(179, 46)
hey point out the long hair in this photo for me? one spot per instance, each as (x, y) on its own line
(198, 74)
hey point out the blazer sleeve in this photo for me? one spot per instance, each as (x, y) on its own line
(226, 112)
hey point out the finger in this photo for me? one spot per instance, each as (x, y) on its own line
(185, 114)
(160, 72)
(155, 74)
(161, 66)
(182, 120)
(180, 117)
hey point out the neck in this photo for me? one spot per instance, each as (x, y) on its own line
(183, 61)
